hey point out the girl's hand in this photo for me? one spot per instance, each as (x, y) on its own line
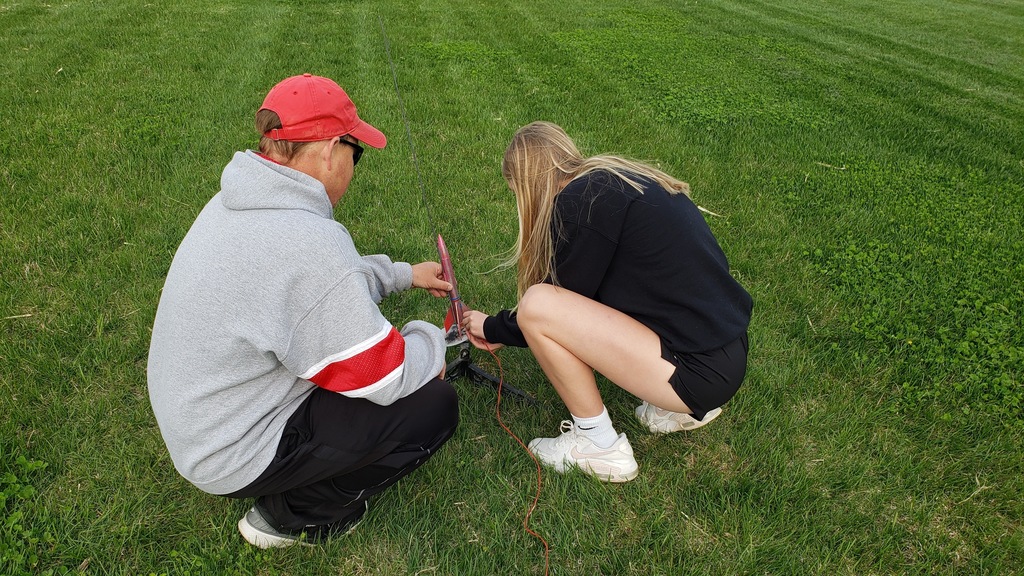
(484, 344)
(473, 321)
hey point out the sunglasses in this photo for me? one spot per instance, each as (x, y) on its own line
(357, 150)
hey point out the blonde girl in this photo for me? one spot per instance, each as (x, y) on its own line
(617, 273)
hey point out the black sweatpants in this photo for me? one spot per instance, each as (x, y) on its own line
(337, 452)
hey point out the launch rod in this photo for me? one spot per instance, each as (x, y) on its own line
(408, 133)
(456, 332)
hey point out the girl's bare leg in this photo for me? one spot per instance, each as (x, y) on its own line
(572, 336)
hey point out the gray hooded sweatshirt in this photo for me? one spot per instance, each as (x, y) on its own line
(267, 298)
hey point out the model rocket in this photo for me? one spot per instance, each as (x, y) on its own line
(455, 332)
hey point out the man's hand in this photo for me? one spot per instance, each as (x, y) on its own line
(427, 275)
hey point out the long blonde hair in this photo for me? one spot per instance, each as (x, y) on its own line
(538, 163)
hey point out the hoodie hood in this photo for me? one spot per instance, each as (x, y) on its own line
(251, 182)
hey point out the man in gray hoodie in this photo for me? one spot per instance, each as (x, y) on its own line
(272, 372)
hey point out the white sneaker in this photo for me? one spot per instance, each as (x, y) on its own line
(663, 421)
(258, 532)
(573, 449)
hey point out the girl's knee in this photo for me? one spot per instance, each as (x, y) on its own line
(536, 304)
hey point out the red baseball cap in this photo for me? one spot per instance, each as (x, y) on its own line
(315, 108)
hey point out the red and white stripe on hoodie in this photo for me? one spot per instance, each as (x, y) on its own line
(364, 368)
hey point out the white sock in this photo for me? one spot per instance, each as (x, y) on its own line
(598, 428)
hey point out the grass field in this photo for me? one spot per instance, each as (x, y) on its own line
(867, 161)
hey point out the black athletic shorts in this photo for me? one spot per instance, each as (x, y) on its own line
(707, 380)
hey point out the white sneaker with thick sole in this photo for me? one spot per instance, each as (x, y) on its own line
(574, 450)
(663, 421)
(258, 532)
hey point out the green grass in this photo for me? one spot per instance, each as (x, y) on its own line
(865, 157)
